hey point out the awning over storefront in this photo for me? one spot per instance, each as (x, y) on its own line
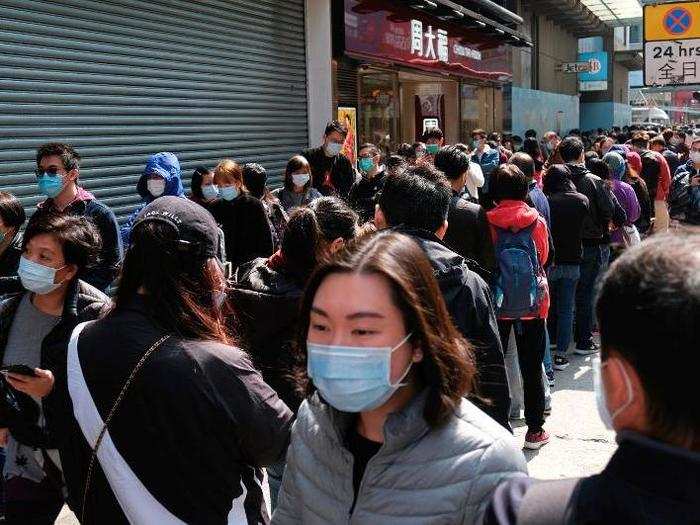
(426, 39)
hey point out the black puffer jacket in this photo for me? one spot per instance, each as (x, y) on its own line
(600, 204)
(83, 303)
(267, 307)
(469, 302)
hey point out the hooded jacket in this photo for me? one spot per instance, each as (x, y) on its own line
(568, 209)
(600, 205)
(167, 166)
(261, 294)
(419, 476)
(469, 302)
(515, 216)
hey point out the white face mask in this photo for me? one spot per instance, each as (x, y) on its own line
(333, 148)
(695, 157)
(601, 397)
(300, 179)
(155, 187)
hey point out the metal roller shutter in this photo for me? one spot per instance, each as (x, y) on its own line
(122, 79)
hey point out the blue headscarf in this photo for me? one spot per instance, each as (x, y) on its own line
(616, 163)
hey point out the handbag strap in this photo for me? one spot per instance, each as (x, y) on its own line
(115, 406)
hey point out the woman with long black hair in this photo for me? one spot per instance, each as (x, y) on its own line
(191, 422)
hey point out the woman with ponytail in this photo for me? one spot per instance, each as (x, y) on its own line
(267, 291)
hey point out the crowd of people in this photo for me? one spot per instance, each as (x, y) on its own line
(348, 347)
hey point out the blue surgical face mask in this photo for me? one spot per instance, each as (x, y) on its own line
(432, 149)
(228, 193)
(301, 179)
(50, 185)
(353, 378)
(333, 148)
(36, 277)
(210, 192)
(365, 164)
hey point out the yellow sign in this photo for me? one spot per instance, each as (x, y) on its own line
(348, 117)
(676, 21)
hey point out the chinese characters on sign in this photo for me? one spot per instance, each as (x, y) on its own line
(671, 62)
(671, 44)
(575, 67)
(424, 45)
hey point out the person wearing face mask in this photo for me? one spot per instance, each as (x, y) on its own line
(298, 187)
(331, 171)
(12, 219)
(684, 196)
(35, 326)
(654, 476)
(203, 191)
(550, 141)
(161, 177)
(58, 173)
(241, 216)
(434, 139)
(270, 289)
(362, 197)
(386, 425)
(488, 159)
(196, 423)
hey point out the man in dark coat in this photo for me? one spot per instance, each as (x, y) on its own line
(416, 202)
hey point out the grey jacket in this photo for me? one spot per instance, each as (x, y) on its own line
(419, 476)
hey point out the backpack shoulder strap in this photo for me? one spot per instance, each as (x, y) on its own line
(549, 502)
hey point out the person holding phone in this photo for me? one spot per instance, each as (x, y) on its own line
(35, 326)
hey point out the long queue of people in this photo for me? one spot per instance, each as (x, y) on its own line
(347, 348)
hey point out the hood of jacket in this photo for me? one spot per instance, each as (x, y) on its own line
(167, 166)
(577, 171)
(512, 215)
(258, 276)
(448, 266)
(558, 180)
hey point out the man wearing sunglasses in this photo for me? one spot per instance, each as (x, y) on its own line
(57, 174)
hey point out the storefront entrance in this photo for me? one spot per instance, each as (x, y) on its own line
(398, 106)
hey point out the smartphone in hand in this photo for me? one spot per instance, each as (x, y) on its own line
(23, 370)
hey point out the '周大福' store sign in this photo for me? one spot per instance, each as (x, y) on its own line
(410, 38)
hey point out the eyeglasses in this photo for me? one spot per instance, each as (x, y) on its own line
(51, 172)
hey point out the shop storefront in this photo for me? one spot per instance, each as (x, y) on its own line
(406, 71)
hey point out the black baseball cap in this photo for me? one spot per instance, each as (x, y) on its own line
(197, 232)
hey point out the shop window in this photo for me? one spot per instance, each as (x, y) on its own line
(378, 116)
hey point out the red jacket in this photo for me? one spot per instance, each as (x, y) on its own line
(514, 216)
(664, 178)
